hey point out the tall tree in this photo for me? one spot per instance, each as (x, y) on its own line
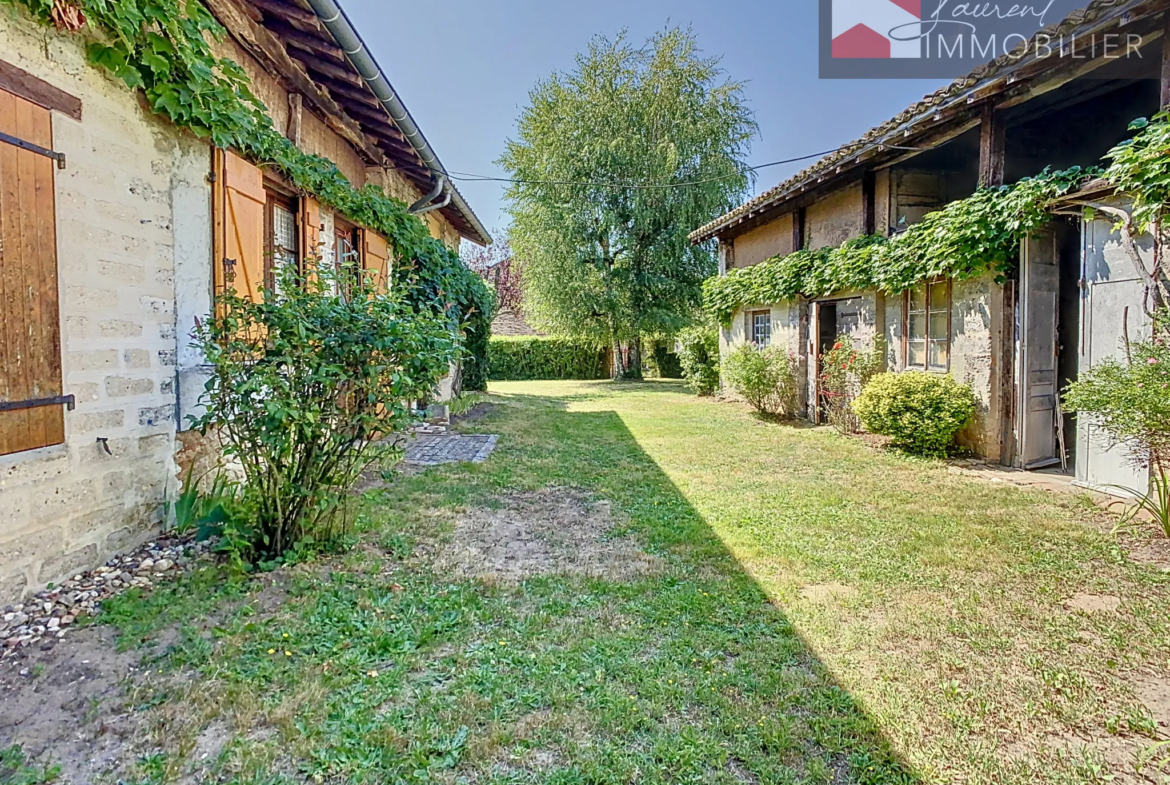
(614, 164)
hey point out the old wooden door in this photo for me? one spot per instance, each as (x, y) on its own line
(1037, 370)
(1111, 308)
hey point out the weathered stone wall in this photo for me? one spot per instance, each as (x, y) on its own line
(65, 508)
(772, 239)
(837, 217)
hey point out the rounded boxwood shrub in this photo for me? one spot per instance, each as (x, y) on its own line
(920, 412)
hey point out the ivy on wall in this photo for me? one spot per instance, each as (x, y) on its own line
(162, 48)
(967, 238)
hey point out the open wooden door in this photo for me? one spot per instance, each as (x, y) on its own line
(1111, 309)
(1037, 388)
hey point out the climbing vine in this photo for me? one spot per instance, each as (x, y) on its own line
(163, 48)
(962, 240)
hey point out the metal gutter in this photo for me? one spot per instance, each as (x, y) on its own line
(343, 31)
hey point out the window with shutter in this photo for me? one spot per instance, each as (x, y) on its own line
(30, 332)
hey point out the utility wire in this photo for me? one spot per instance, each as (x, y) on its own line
(469, 177)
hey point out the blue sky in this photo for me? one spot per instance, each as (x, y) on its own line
(464, 69)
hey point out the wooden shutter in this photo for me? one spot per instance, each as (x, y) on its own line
(30, 332)
(239, 222)
(310, 220)
(376, 259)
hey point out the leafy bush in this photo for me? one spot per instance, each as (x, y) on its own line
(921, 412)
(1130, 401)
(766, 378)
(844, 373)
(699, 358)
(302, 386)
(521, 358)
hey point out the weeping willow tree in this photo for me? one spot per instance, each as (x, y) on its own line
(614, 163)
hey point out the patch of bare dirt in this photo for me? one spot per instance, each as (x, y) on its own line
(477, 412)
(67, 706)
(1093, 603)
(821, 592)
(551, 531)
(1154, 693)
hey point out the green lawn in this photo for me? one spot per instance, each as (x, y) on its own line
(811, 611)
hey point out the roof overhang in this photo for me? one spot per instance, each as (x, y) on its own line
(1002, 83)
(288, 38)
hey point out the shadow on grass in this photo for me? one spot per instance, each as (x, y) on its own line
(379, 667)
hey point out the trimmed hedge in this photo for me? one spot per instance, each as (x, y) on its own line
(524, 358)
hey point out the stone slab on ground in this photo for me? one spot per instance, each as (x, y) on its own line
(432, 449)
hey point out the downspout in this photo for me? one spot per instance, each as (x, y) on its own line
(338, 24)
(428, 203)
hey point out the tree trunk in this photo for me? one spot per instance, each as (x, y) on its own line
(633, 368)
(619, 366)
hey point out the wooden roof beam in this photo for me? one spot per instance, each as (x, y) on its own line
(266, 48)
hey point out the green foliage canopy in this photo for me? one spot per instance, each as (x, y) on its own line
(610, 263)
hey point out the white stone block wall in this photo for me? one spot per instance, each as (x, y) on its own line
(66, 507)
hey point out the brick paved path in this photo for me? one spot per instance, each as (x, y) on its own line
(431, 449)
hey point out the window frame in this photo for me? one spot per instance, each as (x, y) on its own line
(926, 286)
(350, 233)
(752, 316)
(273, 198)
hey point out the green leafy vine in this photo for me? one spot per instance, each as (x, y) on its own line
(967, 238)
(164, 49)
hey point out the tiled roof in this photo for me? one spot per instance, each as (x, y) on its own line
(964, 89)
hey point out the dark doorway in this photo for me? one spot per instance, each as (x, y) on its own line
(826, 337)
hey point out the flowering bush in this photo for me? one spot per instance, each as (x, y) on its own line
(845, 370)
(767, 378)
(921, 412)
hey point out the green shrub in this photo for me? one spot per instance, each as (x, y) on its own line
(699, 358)
(766, 378)
(1130, 401)
(663, 363)
(521, 358)
(921, 412)
(302, 386)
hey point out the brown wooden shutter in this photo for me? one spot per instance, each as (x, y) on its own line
(30, 332)
(239, 222)
(376, 259)
(310, 220)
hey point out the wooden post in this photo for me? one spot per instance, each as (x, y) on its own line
(992, 140)
(798, 235)
(869, 201)
(1166, 60)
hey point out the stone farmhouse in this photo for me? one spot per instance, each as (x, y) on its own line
(1075, 292)
(115, 230)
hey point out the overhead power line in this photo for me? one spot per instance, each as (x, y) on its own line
(469, 177)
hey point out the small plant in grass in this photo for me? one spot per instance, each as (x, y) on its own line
(303, 385)
(845, 370)
(15, 769)
(920, 412)
(766, 378)
(1129, 399)
(699, 358)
